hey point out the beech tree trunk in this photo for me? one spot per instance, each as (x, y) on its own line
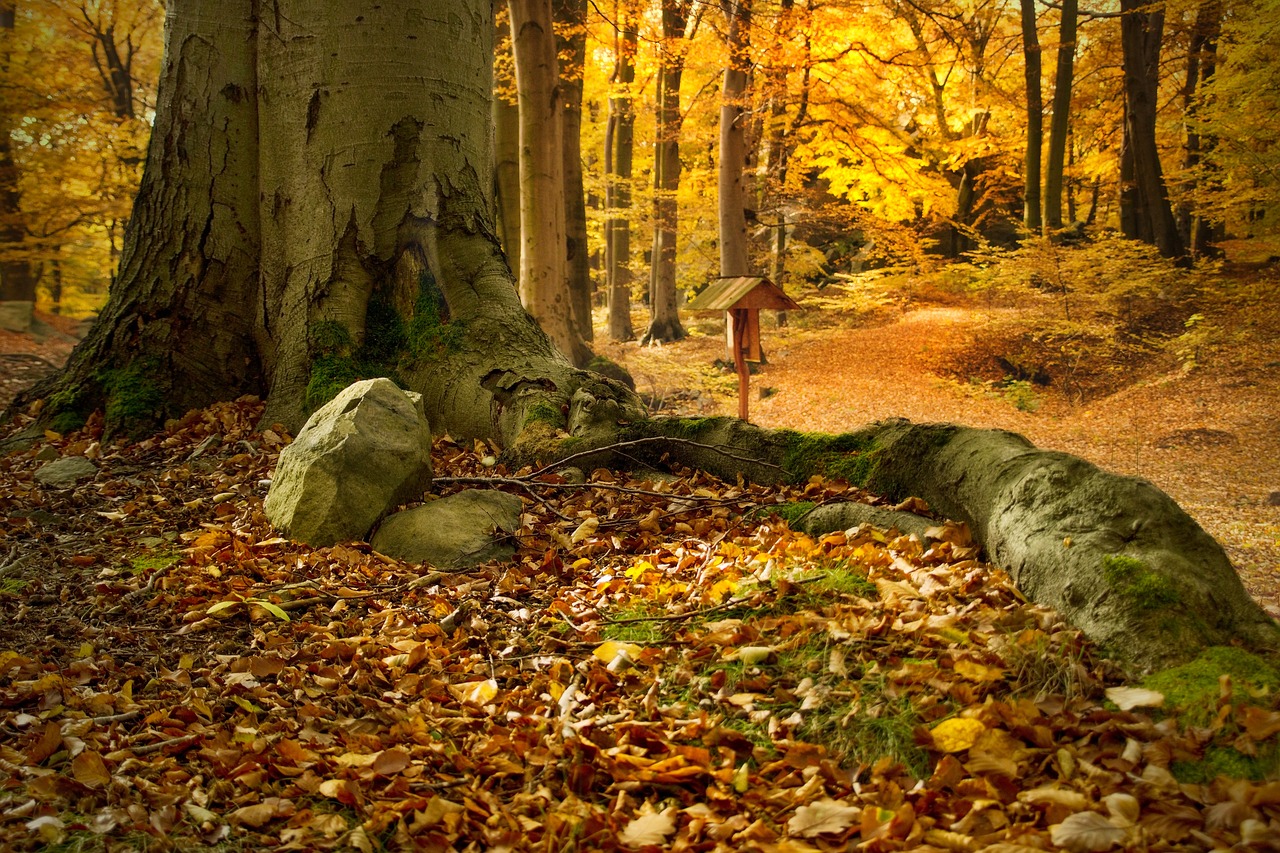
(544, 283)
(506, 127)
(17, 278)
(571, 41)
(1060, 123)
(1031, 216)
(621, 143)
(733, 150)
(347, 230)
(1196, 231)
(1141, 33)
(664, 311)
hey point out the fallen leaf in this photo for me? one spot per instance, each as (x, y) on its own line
(475, 692)
(1086, 832)
(90, 770)
(1128, 698)
(649, 829)
(957, 734)
(823, 817)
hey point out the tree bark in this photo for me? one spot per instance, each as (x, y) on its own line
(17, 277)
(1141, 33)
(733, 153)
(544, 285)
(1060, 123)
(506, 125)
(621, 143)
(571, 40)
(664, 312)
(1031, 215)
(1196, 231)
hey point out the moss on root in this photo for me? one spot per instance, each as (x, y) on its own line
(1132, 578)
(849, 456)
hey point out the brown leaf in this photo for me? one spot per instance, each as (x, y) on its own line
(50, 742)
(259, 814)
(89, 769)
(823, 817)
(1086, 832)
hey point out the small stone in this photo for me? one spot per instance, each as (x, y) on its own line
(459, 531)
(1273, 499)
(48, 453)
(66, 472)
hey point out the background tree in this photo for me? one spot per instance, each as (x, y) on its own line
(678, 29)
(571, 42)
(17, 278)
(1141, 33)
(1061, 121)
(544, 284)
(618, 158)
(1031, 216)
(733, 150)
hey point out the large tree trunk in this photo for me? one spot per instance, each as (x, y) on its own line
(664, 312)
(1060, 123)
(621, 143)
(346, 231)
(17, 277)
(571, 40)
(1035, 117)
(544, 286)
(1141, 34)
(733, 150)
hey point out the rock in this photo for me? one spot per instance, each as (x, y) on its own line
(842, 516)
(359, 456)
(454, 532)
(47, 453)
(66, 472)
(1273, 499)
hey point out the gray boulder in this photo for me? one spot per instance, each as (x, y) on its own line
(66, 472)
(842, 516)
(456, 532)
(359, 456)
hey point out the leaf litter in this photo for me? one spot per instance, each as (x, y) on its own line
(665, 664)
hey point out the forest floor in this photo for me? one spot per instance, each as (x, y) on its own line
(664, 664)
(1208, 436)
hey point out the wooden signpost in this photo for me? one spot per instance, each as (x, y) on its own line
(741, 298)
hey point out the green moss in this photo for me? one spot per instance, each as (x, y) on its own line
(849, 456)
(143, 563)
(1225, 761)
(1132, 578)
(1191, 690)
(610, 368)
(430, 332)
(384, 333)
(329, 337)
(134, 399)
(544, 412)
(329, 375)
(789, 512)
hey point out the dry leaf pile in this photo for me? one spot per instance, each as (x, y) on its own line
(664, 665)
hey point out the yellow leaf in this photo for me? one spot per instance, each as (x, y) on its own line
(585, 529)
(957, 734)
(826, 816)
(611, 650)
(1128, 698)
(475, 692)
(649, 829)
(977, 671)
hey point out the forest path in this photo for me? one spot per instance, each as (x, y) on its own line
(1209, 437)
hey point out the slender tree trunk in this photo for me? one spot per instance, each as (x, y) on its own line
(622, 143)
(778, 145)
(1141, 33)
(506, 125)
(17, 278)
(543, 280)
(571, 15)
(1196, 231)
(733, 155)
(1060, 123)
(1031, 216)
(664, 314)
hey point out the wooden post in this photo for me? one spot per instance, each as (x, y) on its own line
(738, 317)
